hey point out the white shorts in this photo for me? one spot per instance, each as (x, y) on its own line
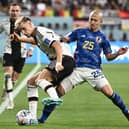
(94, 77)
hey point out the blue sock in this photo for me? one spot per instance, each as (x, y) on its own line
(117, 100)
(47, 110)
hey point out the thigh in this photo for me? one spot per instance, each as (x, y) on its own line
(75, 78)
(31, 80)
(97, 79)
(44, 74)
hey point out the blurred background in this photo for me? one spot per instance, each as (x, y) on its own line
(65, 15)
(116, 13)
(93, 112)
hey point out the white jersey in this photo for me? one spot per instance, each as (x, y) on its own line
(5, 28)
(45, 37)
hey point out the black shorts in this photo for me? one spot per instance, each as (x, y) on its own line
(68, 64)
(15, 61)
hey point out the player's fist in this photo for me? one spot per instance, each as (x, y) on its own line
(122, 50)
(59, 66)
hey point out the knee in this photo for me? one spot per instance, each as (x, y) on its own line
(15, 76)
(30, 82)
(44, 75)
(107, 90)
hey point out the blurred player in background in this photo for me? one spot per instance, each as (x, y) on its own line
(14, 54)
(90, 43)
(61, 64)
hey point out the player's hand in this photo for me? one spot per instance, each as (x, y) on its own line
(59, 66)
(11, 37)
(15, 37)
(122, 50)
(64, 39)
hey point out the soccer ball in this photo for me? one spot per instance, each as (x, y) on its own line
(23, 117)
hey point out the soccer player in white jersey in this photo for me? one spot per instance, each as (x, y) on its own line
(14, 54)
(61, 65)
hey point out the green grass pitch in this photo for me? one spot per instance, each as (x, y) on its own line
(83, 108)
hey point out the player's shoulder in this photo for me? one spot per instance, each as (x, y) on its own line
(80, 30)
(101, 33)
(44, 29)
(48, 32)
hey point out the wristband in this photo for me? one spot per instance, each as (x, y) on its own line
(58, 63)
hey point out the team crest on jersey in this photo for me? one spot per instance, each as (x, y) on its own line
(98, 39)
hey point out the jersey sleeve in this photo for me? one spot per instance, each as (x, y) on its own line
(49, 37)
(106, 46)
(72, 36)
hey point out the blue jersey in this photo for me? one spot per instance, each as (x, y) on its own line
(89, 47)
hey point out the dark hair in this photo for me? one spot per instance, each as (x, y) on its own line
(14, 4)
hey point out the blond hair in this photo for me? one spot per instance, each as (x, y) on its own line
(96, 12)
(20, 20)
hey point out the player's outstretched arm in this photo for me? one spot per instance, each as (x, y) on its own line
(112, 56)
(64, 39)
(22, 39)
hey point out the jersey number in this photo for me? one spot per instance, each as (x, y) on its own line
(88, 45)
(97, 73)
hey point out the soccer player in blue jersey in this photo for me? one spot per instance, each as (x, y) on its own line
(90, 43)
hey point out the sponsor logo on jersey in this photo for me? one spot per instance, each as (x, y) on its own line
(46, 40)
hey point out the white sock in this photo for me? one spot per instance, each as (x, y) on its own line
(10, 96)
(9, 86)
(51, 90)
(32, 94)
(33, 108)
